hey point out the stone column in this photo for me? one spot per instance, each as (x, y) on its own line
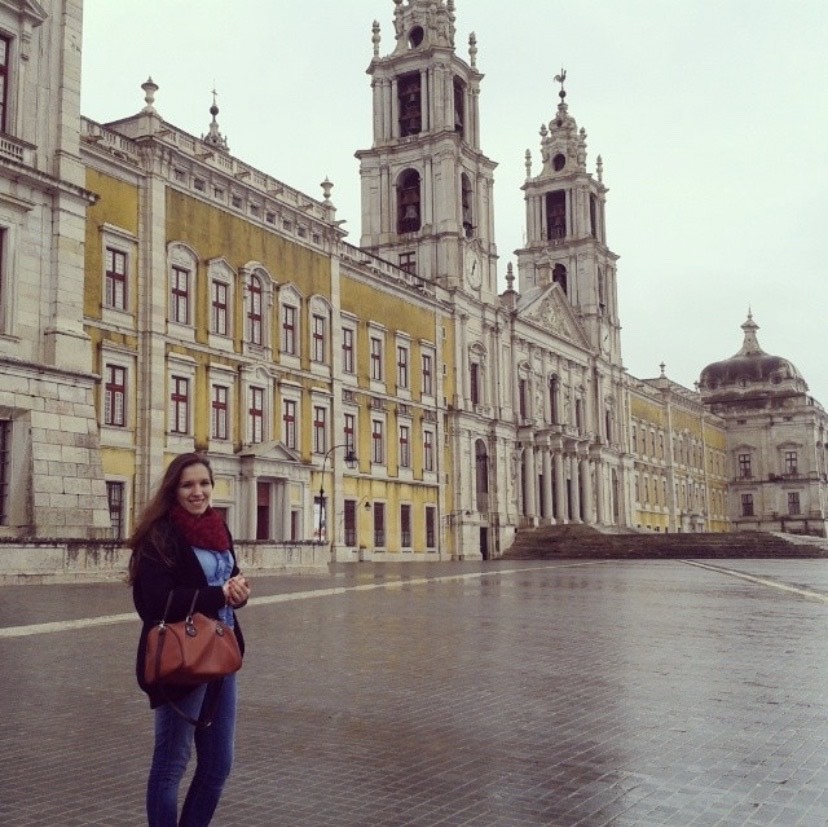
(547, 486)
(586, 481)
(560, 489)
(599, 484)
(576, 489)
(530, 501)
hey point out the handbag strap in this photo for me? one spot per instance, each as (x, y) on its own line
(213, 686)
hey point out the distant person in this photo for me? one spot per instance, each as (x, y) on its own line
(179, 545)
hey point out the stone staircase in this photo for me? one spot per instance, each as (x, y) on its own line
(586, 542)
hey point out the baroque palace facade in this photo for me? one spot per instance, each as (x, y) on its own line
(159, 295)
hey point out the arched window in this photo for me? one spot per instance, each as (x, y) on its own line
(409, 216)
(555, 398)
(559, 276)
(254, 310)
(466, 197)
(481, 482)
(459, 107)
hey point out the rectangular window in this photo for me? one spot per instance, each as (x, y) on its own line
(180, 405)
(431, 526)
(405, 446)
(289, 330)
(745, 471)
(522, 399)
(402, 367)
(408, 262)
(115, 498)
(5, 469)
(474, 383)
(790, 462)
(348, 432)
(376, 358)
(320, 429)
(428, 450)
(255, 415)
(180, 296)
(350, 537)
(115, 396)
(5, 81)
(379, 525)
(428, 375)
(377, 442)
(219, 425)
(116, 274)
(289, 423)
(793, 502)
(747, 505)
(318, 339)
(405, 526)
(254, 311)
(347, 350)
(219, 311)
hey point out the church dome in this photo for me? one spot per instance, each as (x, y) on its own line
(750, 373)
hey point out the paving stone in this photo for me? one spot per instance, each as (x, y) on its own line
(506, 693)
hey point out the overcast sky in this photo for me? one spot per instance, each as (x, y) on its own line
(711, 118)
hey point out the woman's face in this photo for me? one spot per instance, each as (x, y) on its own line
(194, 489)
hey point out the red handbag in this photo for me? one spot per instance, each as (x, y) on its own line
(192, 651)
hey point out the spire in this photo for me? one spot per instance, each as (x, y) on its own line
(214, 138)
(750, 346)
(563, 145)
(424, 22)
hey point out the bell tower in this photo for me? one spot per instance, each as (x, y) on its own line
(566, 230)
(427, 189)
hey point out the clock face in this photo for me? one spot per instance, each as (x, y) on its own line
(474, 270)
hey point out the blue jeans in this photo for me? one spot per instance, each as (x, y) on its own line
(174, 739)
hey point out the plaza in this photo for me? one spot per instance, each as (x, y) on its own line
(590, 693)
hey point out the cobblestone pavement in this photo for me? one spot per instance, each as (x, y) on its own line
(500, 693)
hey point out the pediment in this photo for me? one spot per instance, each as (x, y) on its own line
(550, 310)
(275, 451)
(28, 9)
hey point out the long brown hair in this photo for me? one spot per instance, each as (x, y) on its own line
(159, 506)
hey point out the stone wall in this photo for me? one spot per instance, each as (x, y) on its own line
(86, 560)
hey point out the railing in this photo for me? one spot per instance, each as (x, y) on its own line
(16, 150)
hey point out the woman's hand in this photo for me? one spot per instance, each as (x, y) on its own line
(236, 591)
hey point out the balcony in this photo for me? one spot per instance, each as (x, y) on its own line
(13, 149)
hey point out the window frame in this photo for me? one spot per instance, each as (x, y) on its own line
(180, 405)
(290, 410)
(219, 412)
(115, 396)
(113, 278)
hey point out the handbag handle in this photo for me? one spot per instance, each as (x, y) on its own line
(198, 723)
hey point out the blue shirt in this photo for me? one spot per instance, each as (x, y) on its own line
(217, 566)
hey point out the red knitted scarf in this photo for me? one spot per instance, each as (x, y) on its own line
(206, 530)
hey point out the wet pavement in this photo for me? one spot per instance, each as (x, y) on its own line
(501, 693)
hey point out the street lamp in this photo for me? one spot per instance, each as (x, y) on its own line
(351, 462)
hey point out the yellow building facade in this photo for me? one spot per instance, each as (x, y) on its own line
(680, 459)
(229, 316)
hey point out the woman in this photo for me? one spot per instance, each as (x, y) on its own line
(180, 545)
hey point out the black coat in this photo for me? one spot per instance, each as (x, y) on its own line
(153, 583)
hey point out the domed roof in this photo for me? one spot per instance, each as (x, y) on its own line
(751, 372)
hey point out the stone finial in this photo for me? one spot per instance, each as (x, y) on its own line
(214, 137)
(663, 366)
(510, 278)
(599, 169)
(375, 37)
(528, 163)
(473, 50)
(327, 186)
(150, 87)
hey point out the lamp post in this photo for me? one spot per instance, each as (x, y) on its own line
(351, 462)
